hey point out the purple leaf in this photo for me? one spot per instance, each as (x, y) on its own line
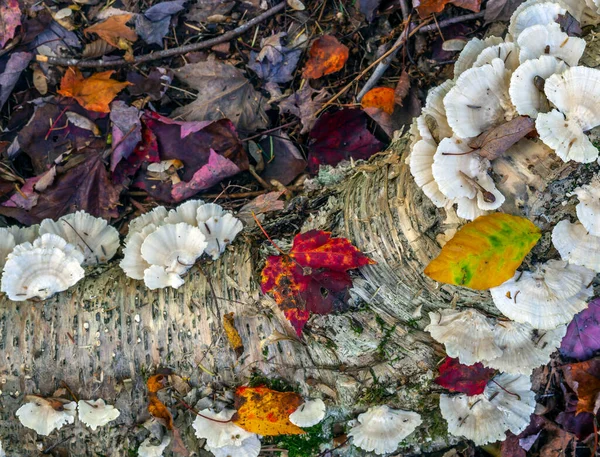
(17, 62)
(126, 131)
(582, 339)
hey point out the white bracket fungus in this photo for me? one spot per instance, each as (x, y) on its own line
(381, 428)
(550, 40)
(250, 447)
(46, 415)
(547, 297)
(471, 51)
(588, 209)
(534, 12)
(576, 245)
(96, 413)
(7, 244)
(218, 432)
(506, 404)
(309, 413)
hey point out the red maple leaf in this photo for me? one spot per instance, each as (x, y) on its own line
(467, 379)
(313, 277)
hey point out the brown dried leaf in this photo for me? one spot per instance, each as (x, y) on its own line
(113, 30)
(427, 7)
(327, 55)
(496, 141)
(96, 48)
(402, 88)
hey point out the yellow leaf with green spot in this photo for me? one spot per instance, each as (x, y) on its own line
(486, 252)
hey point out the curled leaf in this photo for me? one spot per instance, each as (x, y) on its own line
(496, 141)
(327, 55)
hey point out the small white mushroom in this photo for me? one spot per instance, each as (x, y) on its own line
(471, 51)
(533, 12)
(39, 273)
(420, 163)
(432, 124)
(547, 297)
(549, 39)
(575, 245)
(157, 277)
(219, 228)
(96, 413)
(49, 241)
(97, 240)
(133, 264)
(24, 234)
(467, 335)
(479, 100)
(7, 244)
(250, 447)
(588, 208)
(527, 85)
(381, 428)
(508, 52)
(174, 246)
(147, 449)
(309, 413)
(523, 347)
(576, 95)
(156, 216)
(467, 208)
(46, 415)
(186, 212)
(219, 434)
(506, 404)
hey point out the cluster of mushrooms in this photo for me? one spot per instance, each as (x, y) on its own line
(530, 78)
(161, 246)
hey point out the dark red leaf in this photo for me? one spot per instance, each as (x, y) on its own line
(582, 339)
(467, 379)
(283, 159)
(146, 151)
(340, 136)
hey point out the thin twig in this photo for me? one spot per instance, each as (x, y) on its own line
(166, 52)
(450, 21)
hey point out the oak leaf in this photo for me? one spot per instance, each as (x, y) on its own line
(313, 277)
(93, 93)
(486, 252)
(327, 55)
(113, 30)
(380, 97)
(467, 379)
(265, 411)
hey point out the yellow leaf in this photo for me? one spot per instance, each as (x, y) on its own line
(266, 412)
(486, 252)
(93, 93)
(113, 29)
(233, 336)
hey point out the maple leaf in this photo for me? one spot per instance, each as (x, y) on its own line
(486, 252)
(313, 277)
(582, 339)
(93, 93)
(10, 19)
(467, 379)
(265, 411)
(584, 379)
(113, 30)
(327, 55)
(340, 136)
(427, 7)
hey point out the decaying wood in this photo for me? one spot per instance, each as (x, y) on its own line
(104, 336)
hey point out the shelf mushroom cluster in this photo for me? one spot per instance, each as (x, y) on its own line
(41, 260)
(162, 246)
(531, 74)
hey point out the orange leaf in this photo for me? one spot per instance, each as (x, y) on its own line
(584, 379)
(93, 93)
(266, 412)
(380, 97)
(427, 7)
(156, 383)
(233, 336)
(157, 409)
(112, 29)
(327, 55)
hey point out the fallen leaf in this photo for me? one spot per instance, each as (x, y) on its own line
(496, 141)
(17, 62)
(584, 379)
(266, 412)
(467, 379)
(305, 104)
(113, 30)
(275, 62)
(380, 97)
(427, 7)
(154, 84)
(153, 25)
(582, 424)
(224, 92)
(284, 162)
(126, 131)
(10, 19)
(569, 24)
(313, 277)
(264, 203)
(485, 253)
(368, 8)
(53, 39)
(582, 339)
(402, 88)
(500, 10)
(340, 136)
(327, 55)
(93, 93)
(201, 10)
(146, 151)
(233, 336)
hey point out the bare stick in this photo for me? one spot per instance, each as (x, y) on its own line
(452, 20)
(166, 52)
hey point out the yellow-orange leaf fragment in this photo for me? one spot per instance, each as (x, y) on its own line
(113, 29)
(380, 97)
(233, 336)
(486, 252)
(93, 93)
(327, 55)
(266, 412)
